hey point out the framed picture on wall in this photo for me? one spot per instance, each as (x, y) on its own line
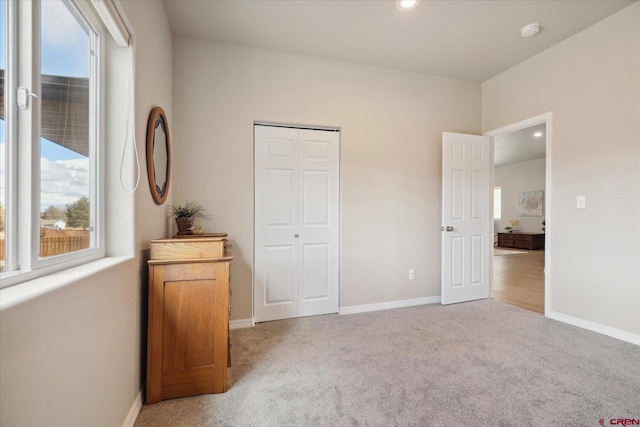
(531, 203)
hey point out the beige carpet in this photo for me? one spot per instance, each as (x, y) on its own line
(500, 251)
(481, 363)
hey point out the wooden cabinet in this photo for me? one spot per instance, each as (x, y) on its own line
(188, 329)
(531, 241)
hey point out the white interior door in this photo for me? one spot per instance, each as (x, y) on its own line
(466, 222)
(296, 250)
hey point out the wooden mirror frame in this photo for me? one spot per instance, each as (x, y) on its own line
(158, 119)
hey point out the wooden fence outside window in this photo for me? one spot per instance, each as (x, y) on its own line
(50, 246)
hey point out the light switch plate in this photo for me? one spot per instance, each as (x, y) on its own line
(581, 202)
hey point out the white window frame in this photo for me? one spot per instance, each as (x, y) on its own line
(23, 160)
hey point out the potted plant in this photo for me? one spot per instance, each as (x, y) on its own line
(512, 225)
(186, 215)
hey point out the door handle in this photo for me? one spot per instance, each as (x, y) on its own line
(448, 229)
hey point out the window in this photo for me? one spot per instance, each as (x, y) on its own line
(497, 203)
(69, 52)
(52, 104)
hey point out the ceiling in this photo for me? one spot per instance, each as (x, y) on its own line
(465, 39)
(520, 146)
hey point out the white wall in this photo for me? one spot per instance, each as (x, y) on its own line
(591, 83)
(75, 356)
(153, 82)
(391, 124)
(513, 179)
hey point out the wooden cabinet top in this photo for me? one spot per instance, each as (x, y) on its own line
(194, 237)
(193, 247)
(521, 232)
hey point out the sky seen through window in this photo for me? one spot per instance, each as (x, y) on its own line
(65, 52)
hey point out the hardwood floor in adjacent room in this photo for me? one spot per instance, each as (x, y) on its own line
(518, 280)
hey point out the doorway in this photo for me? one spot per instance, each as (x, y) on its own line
(297, 205)
(520, 269)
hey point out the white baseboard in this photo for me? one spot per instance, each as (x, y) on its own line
(134, 411)
(241, 323)
(591, 326)
(595, 327)
(390, 304)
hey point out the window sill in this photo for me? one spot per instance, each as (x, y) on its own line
(31, 289)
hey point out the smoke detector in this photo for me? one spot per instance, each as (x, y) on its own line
(530, 30)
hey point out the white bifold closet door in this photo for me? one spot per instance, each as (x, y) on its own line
(296, 248)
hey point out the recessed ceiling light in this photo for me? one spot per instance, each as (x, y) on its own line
(530, 30)
(537, 134)
(406, 4)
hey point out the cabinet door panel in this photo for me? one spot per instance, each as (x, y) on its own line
(187, 383)
(188, 333)
(506, 241)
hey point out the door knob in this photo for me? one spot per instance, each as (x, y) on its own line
(296, 235)
(448, 229)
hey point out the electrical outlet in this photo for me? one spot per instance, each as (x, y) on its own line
(412, 274)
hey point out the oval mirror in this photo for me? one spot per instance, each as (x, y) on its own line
(158, 155)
